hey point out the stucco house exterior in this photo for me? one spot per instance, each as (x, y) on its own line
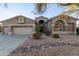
(21, 25)
(18, 25)
(63, 24)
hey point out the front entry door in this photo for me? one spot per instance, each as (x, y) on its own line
(42, 26)
(42, 29)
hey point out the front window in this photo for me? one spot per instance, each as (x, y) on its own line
(59, 26)
(21, 20)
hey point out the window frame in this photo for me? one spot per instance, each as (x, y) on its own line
(21, 20)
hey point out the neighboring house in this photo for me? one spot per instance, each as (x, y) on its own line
(63, 24)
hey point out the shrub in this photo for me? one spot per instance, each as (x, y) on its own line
(37, 35)
(56, 36)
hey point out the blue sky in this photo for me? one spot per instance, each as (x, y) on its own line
(26, 9)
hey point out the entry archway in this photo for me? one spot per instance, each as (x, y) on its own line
(41, 22)
(42, 26)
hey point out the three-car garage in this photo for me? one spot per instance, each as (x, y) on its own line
(18, 30)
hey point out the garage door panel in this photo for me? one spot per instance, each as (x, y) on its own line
(6, 30)
(22, 30)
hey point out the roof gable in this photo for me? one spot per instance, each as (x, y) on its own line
(17, 17)
(41, 17)
(64, 16)
(14, 20)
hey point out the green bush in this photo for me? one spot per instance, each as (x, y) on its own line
(56, 36)
(37, 35)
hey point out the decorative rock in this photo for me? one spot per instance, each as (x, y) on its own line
(36, 47)
(44, 46)
(32, 47)
(50, 46)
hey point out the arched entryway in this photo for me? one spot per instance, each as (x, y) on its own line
(59, 25)
(42, 26)
(41, 22)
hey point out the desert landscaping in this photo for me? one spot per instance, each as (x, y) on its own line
(42, 32)
(66, 45)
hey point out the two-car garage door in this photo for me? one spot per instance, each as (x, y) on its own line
(23, 30)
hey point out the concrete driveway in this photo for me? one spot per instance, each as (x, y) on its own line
(10, 42)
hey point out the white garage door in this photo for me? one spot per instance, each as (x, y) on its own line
(6, 30)
(22, 30)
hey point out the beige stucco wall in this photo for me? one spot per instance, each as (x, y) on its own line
(66, 21)
(13, 22)
(30, 22)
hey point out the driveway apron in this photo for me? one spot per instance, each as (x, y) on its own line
(10, 42)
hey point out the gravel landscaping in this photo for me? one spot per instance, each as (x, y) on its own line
(66, 45)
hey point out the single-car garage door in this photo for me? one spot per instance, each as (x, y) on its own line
(23, 30)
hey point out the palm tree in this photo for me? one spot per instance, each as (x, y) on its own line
(40, 8)
(70, 8)
(73, 9)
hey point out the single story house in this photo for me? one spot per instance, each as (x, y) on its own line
(21, 25)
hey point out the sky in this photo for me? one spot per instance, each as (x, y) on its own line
(26, 9)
